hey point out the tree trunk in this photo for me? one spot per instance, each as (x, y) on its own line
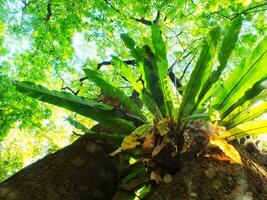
(81, 171)
(84, 171)
(214, 177)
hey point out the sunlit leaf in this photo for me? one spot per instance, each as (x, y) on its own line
(255, 127)
(146, 98)
(224, 54)
(163, 126)
(227, 148)
(247, 114)
(129, 142)
(199, 76)
(243, 78)
(77, 104)
(114, 92)
(162, 67)
(251, 93)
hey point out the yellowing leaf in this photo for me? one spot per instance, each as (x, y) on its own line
(163, 126)
(129, 142)
(228, 149)
(114, 153)
(143, 130)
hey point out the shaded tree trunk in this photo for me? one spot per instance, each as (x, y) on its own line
(81, 171)
(84, 171)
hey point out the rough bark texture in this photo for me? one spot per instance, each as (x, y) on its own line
(85, 171)
(208, 178)
(80, 171)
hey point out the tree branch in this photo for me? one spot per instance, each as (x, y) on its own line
(147, 22)
(175, 81)
(71, 90)
(127, 62)
(186, 67)
(245, 11)
(68, 88)
(111, 6)
(141, 20)
(49, 11)
(156, 20)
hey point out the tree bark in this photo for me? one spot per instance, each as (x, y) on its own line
(81, 171)
(84, 171)
(214, 177)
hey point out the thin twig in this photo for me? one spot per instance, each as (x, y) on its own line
(222, 15)
(71, 90)
(177, 83)
(141, 20)
(76, 134)
(245, 11)
(128, 62)
(233, 16)
(111, 6)
(257, 10)
(186, 67)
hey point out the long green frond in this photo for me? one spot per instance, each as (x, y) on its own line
(99, 112)
(162, 67)
(199, 76)
(243, 78)
(227, 46)
(114, 92)
(251, 93)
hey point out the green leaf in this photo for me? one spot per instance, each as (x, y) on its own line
(199, 76)
(242, 78)
(146, 98)
(135, 51)
(152, 80)
(162, 67)
(143, 130)
(247, 115)
(229, 42)
(127, 73)
(251, 93)
(110, 136)
(114, 92)
(128, 41)
(96, 111)
(247, 129)
(226, 49)
(136, 171)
